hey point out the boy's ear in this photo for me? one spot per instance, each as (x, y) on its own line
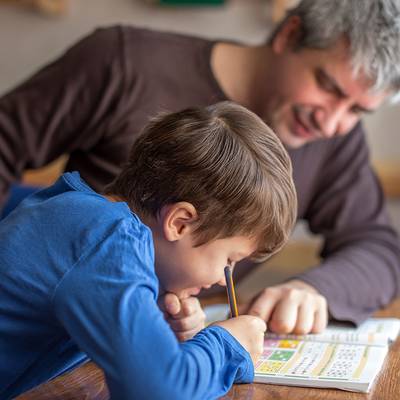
(288, 36)
(179, 219)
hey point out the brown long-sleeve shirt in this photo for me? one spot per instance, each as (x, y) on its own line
(94, 100)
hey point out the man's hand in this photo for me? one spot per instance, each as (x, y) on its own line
(185, 316)
(292, 307)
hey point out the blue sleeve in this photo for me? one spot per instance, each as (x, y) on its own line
(107, 304)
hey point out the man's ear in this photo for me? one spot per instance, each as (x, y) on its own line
(288, 35)
(178, 220)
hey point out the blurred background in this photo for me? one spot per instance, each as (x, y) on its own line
(34, 32)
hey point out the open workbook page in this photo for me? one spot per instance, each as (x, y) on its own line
(374, 331)
(343, 357)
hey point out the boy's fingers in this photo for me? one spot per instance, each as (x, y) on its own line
(190, 305)
(170, 304)
(180, 308)
(187, 323)
(261, 324)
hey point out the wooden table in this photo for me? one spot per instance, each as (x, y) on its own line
(87, 382)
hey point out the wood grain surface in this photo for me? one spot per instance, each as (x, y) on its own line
(87, 382)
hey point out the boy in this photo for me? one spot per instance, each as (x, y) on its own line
(81, 271)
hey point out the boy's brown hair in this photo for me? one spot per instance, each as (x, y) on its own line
(223, 160)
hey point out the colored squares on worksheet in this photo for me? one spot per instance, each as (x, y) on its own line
(281, 355)
(271, 343)
(288, 344)
(266, 353)
(270, 367)
(283, 344)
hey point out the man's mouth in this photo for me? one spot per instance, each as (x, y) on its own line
(301, 127)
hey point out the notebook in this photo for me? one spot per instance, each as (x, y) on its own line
(342, 357)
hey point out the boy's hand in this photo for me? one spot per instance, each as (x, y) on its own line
(184, 315)
(249, 331)
(292, 307)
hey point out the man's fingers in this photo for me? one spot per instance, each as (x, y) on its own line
(264, 304)
(320, 317)
(305, 317)
(300, 312)
(244, 308)
(284, 315)
(294, 306)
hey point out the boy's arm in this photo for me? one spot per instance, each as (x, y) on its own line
(107, 304)
(60, 109)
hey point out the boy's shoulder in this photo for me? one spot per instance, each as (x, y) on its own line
(73, 212)
(71, 197)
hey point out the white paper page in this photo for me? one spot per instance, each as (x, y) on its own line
(216, 312)
(319, 364)
(374, 331)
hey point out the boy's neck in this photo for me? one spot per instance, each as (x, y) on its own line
(116, 198)
(113, 197)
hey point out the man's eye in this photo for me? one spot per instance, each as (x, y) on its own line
(324, 83)
(356, 111)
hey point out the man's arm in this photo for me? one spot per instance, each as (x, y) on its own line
(61, 108)
(360, 271)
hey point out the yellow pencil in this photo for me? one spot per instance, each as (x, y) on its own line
(230, 290)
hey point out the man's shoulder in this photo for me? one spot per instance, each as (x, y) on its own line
(132, 32)
(106, 44)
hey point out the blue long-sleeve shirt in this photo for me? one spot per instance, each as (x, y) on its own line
(77, 280)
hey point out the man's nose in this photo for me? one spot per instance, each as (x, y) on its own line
(328, 121)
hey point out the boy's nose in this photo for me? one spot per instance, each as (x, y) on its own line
(222, 281)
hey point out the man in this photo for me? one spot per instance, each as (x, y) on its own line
(326, 64)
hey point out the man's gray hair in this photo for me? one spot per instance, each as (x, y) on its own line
(372, 27)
